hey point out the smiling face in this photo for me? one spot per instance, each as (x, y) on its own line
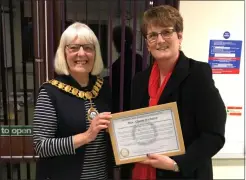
(163, 42)
(162, 27)
(80, 56)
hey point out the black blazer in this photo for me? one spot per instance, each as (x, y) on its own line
(202, 115)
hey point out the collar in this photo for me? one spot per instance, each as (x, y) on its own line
(68, 79)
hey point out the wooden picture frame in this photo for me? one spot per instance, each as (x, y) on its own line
(137, 132)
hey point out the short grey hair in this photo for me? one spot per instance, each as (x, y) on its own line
(83, 32)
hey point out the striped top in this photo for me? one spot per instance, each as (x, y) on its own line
(47, 145)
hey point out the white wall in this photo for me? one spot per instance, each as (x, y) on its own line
(199, 18)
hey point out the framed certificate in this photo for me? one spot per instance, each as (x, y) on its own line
(155, 129)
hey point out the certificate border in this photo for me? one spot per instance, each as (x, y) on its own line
(169, 106)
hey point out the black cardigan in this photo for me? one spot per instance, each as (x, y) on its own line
(71, 121)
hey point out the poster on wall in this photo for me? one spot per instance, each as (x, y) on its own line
(226, 59)
(224, 53)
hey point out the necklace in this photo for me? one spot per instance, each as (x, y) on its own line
(88, 95)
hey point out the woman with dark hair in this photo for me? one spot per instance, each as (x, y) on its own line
(174, 77)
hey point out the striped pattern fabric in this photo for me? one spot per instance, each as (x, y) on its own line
(47, 145)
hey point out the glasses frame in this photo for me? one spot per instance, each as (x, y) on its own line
(160, 33)
(81, 45)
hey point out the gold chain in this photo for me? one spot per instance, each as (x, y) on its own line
(80, 94)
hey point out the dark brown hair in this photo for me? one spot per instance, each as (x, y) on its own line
(164, 16)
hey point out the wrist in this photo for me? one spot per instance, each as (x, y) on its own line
(79, 140)
(86, 137)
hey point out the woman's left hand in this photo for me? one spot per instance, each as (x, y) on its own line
(159, 161)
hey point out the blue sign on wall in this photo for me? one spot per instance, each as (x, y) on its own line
(225, 56)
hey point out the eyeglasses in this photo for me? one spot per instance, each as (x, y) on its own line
(88, 48)
(165, 34)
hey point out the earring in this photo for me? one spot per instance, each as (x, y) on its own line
(180, 47)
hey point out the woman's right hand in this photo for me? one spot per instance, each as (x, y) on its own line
(100, 122)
